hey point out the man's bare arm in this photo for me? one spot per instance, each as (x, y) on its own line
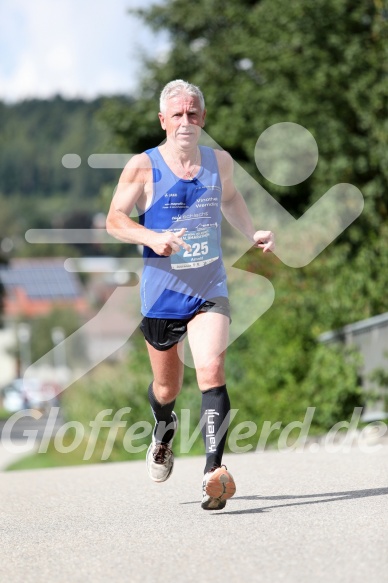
(135, 187)
(235, 209)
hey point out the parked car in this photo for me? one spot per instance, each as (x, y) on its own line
(29, 394)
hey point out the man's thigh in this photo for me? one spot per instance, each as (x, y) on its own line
(167, 369)
(208, 335)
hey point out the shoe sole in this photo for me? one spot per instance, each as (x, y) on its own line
(221, 485)
(213, 504)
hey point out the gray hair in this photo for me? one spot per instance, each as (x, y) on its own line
(178, 87)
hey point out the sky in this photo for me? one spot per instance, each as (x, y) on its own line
(76, 48)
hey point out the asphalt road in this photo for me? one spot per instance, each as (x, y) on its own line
(22, 423)
(296, 517)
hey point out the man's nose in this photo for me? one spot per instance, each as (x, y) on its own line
(185, 119)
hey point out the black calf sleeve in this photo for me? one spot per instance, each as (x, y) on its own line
(215, 418)
(162, 414)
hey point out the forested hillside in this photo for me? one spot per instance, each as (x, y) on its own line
(36, 190)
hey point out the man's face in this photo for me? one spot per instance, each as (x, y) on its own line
(183, 120)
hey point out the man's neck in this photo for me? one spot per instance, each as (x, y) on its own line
(173, 152)
(184, 163)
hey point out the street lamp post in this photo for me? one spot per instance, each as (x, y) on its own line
(23, 332)
(59, 352)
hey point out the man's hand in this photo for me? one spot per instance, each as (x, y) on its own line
(265, 240)
(168, 243)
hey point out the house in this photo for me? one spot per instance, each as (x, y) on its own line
(33, 287)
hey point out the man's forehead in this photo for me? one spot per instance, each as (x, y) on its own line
(183, 101)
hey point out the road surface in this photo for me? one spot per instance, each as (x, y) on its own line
(297, 517)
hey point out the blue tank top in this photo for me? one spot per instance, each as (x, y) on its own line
(175, 287)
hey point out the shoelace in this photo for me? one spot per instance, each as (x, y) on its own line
(161, 452)
(214, 468)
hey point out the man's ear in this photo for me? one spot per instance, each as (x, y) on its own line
(161, 119)
(203, 118)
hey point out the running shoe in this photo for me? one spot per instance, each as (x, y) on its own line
(160, 458)
(217, 486)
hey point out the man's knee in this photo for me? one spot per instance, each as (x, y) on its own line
(212, 375)
(165, 393)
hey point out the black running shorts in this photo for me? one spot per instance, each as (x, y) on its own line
(163, 333)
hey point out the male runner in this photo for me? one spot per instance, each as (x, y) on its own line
(180, 190)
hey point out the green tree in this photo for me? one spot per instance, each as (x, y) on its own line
(41, 329)
(321, 64)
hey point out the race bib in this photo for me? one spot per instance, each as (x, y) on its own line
(204, 249)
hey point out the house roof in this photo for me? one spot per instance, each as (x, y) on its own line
(40, 279)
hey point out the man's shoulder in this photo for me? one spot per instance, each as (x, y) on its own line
(225, 161)
(139, 162)
(142, 158)
(137, 169)
(223, 156)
